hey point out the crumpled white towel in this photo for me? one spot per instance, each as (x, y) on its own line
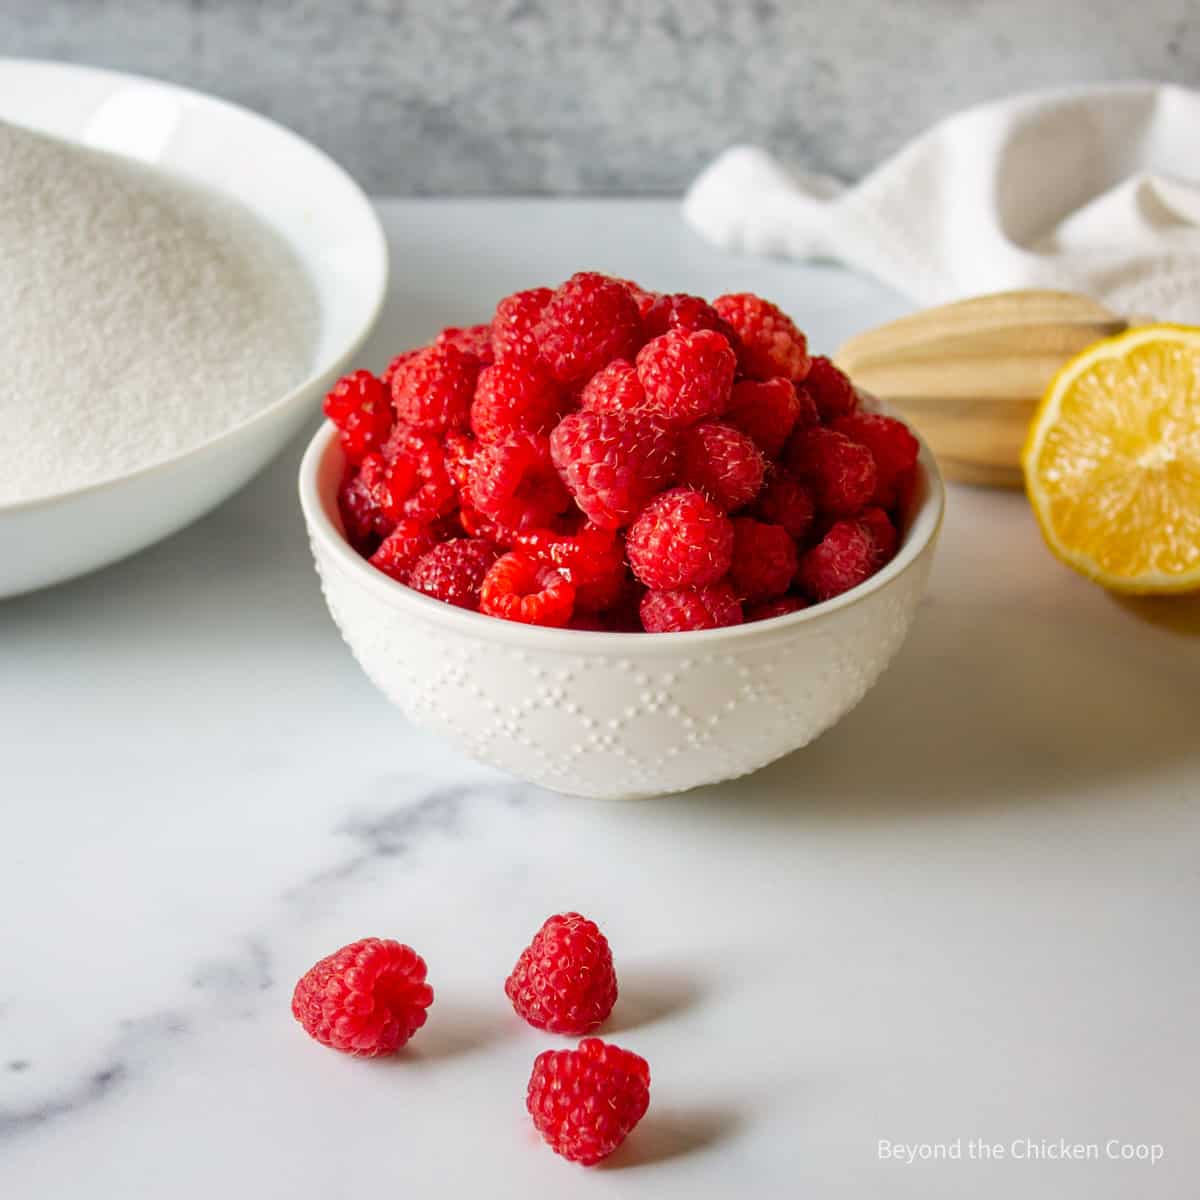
(1095, 190)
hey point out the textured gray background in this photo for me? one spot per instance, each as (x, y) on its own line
(611, 96)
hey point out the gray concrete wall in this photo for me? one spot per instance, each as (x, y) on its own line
(611, 96)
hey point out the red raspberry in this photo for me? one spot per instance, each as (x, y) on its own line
(768, 411)
(593, 559)
(642, 298)
(517, 588)
(514, 397)
(514, 482)
(613, 464)
(414, 482)
(687, 376)
(475, 340)
(389, 372)
(840, 472)
(564, 980)
(513, 325)
(769, 344)
(590, 320)
(458, 451)
(681, 539)
(892, 446)
(584, 1102)
(845, 557)
(689, 313)
(677, 610)
(432, 391)
(454, 571)
(367, 999)
(830, 389)
(614, 389)
(879, 525)
(363, 520)
(784, 501)
(722, 462)
(400, 550)
(781, 606)
(764, 560)
(358, 405)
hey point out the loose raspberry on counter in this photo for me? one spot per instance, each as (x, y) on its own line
(612, 464)
(840, 472)
(892, 446)
(769, 344)
(830, 389)
(614, 389)
(367, 999)
(779, 607)
(787, 502)
(687, 376)
(515, 484)
(593, 559)
(513, 325)
(475, 340)
(764, 560)
(590, 320)
(676, 610)
(845, 557)
(432, 391)
(415, 483)
(682, 539)
(453, 571)
(768, 411)
(564, 981)
(399, 551)
(585, 1102)
(689, 313)
(360, 407)
(722, 462)
(882, 531)
(518, 588)
(515, 397)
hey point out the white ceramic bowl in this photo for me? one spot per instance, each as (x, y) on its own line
(616, 714)
(300, 193)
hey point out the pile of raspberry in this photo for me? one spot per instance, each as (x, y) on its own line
(602, 457)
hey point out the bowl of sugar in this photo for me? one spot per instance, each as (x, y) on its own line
(182, 282)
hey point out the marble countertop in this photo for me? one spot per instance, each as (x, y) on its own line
(967, 912)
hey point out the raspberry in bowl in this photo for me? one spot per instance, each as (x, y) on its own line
(620, 543)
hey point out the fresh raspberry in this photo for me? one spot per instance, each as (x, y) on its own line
(399, 551)
(513, 336)
(475, 340)
(784, 501)
(584, 1102)
(517, 588)
(687, 376)
(612, 464)
(676, 610)
(367, 999)
(879, 525)
(845, 557)
(363, 520)
(682, 539)
(564, 980)
(414, 483)
(830, 389)
(769, 344)
(458, 451)
(892, 446)
(358, 405)
(614, 389)
(454, 571)
(689, 313)
(768, 411)
(781, 606)
(722, 462)
(593, 559)
(514, 397)
(590, 320)
(840, 472)
(514, 482)
(642, 298)
(432, 391)
(389, 372)
(764, 560)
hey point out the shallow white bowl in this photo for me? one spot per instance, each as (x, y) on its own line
(616, 714)
(293, 188)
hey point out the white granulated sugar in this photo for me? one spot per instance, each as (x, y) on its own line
(140, 316)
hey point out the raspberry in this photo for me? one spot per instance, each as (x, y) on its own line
(400, 550)
(687, 376)
(676, 610)
(722, 462)
(415, 483)
(367, 999)
(389, 372)
(831, 389)
(363, 520)
(892, 446)
(764, 560)
(769, 411)
(840, 472)
(475, 340)
(564, 980)
(689, 313)
(845, 557)
(517, 588)
(513, 325)
(612, 464)
(590, 320)
(514, 482)
(642, 298)
(432, 391)
(514, 397)
(879, 525)
(784, 501)
(681, 539)
(769, 344)
(584, 1102)
(454, 571)
(458, 450)
(358, 405)
(614, 389)
(781, 606)
(593, 559)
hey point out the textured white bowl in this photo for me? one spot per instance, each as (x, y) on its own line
(616, 714)
(305, 197)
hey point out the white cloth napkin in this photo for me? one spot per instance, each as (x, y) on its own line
(1095, 190)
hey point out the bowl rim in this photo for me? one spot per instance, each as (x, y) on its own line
(372, 229)
(922, 532)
